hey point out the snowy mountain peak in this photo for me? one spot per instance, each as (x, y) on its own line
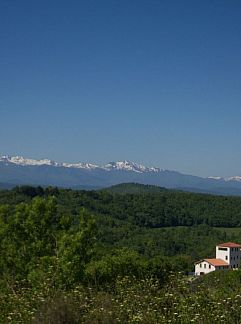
(236, 178)
(80, 165)
(111, 166)
(18, 170)
(129, 166)
(120, 165)
(215, 178)
(24, 161)
(19, 160)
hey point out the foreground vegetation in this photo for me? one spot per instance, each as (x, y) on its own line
(215, 298)
(112, 257)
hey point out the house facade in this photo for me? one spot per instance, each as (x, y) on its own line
(228, 256)
(230, 252)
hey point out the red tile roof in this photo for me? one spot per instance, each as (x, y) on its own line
(216, 262)
(230, 245)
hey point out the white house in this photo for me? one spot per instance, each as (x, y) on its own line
(230, 252)
(207, 265)
(228, 256)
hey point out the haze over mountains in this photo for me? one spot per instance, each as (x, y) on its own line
(23, 171)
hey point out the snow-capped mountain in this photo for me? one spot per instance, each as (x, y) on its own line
(17, 170)
(236, 178)
(129, 166)
(120, 165)
(19, 160)
(216, 178)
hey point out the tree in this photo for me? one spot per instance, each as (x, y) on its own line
(35, 239)
(75, 248)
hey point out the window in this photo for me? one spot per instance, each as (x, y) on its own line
(200, 265)
(222, 249)
(226, 257)
(204, 265)
(209, 266)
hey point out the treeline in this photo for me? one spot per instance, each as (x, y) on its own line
(151, 224)
(145, 206)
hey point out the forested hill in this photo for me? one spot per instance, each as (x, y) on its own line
(151, 207)
(57, 257)
(134, 188)
(138, 188)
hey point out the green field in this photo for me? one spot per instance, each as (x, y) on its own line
(231, 231)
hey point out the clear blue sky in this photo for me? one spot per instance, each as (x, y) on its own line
(153, 81)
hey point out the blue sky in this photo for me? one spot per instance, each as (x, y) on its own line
(156, 82)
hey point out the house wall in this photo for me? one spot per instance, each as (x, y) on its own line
(235, 256)
(223, 253)
(221, 268)
(203, 268)
(231, 255)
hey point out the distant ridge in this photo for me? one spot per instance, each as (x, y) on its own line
(134, 188)
(24, 171)
(120, 165)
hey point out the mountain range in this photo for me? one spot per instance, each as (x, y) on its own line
(16, 170)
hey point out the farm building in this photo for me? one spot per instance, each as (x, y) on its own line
(228, 256)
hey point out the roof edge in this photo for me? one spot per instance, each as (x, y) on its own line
(224, 263)
(229, 244)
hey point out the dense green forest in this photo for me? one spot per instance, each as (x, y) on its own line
(114, 256)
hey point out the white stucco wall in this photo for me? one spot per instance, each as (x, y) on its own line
(234, 256)
(221, 254)
(203, 267)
